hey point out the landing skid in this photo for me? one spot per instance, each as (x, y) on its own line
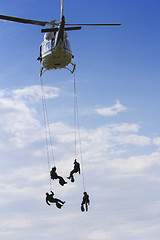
(41, 72)
(74, 66)
(71, 70)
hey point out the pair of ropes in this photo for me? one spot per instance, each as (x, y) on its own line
(77, 134)
(50, 152)
(48, 137)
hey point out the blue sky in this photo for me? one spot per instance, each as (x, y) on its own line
(118, 86)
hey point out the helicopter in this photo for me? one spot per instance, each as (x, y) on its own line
(55, 50)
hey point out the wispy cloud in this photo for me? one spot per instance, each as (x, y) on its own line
(135, 164)
(34, 93)
(107, 159)
(113, 110)
(18, 118)
(156, 141)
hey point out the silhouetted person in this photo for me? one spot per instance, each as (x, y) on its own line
(76, 169)
(55, 176)
(85, 202)
(51, 199)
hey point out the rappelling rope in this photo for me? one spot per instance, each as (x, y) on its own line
(77, 129)
(47, 129)
(75, 119)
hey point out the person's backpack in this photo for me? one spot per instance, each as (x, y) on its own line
(82, 208)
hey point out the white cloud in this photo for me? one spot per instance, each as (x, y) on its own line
(16, 223)
(34, 93)
(17, 120)
(125, 127)
(21, 124)
(100, 235)
(113, 110)
(134, 164)
(156, 141)
(133, 139)
(107, 163)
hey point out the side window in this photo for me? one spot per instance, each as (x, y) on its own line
(67, 45)
(52, 43)
(48, 46)
(43, 48)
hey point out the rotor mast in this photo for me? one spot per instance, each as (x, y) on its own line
(62, 8)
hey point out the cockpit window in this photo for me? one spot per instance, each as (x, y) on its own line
(46, 46)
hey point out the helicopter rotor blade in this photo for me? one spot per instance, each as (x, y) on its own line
(57, 29)
(46, 30)
(94, 24)
(27, 21)
(72, 28)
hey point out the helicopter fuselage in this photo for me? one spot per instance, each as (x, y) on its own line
(55, 55)
(55, 50)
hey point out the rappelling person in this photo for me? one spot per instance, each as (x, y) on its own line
(85, 202)
(54, 175)
(51, 199)
(75, 170)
